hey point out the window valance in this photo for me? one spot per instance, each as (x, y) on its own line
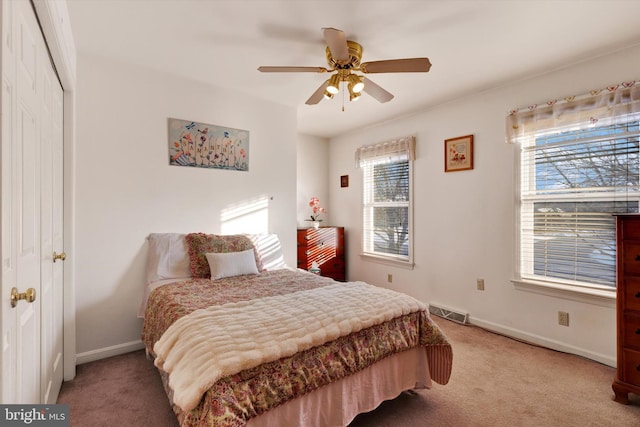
(609, 106)
(400, 147)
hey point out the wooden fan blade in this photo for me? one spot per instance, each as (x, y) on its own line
(409, 65)
(337, 42)
(376, 91)
(318, 94)
(269, 69)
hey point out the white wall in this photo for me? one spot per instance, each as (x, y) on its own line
(464, 221)
(312, 177)
(126, 188)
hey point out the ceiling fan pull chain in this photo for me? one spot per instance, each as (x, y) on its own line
(343, 101)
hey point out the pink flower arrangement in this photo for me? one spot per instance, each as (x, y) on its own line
(314, 203)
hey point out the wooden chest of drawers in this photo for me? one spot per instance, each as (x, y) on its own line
(627, 307)
(324, 245)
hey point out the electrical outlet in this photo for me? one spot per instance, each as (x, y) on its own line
(480, 284)
(563, 318)
(389, 278)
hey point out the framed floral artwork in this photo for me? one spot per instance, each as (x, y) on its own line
(458, 153)
(203, 145)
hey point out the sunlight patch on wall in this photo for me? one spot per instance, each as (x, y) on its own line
(270, 250)
(248, 216)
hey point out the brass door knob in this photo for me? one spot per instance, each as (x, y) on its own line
(61, 256)
(29, 296)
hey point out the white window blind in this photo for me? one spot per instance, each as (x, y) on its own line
(579, 165)
(387, 171)
(571, 184)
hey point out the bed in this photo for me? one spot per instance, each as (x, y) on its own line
(241, 339)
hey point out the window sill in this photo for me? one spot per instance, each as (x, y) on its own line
(601, 297)
(388, 261)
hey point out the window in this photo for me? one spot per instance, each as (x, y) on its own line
(572, 182)
(387, 171)
(576, 171)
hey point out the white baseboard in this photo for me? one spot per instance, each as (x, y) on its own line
(103, 353)
(544, 342)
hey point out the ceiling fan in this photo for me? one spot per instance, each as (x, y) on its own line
(343, 57)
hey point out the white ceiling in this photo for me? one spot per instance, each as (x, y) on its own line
(473, 45)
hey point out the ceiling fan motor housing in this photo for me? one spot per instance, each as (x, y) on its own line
(355, 56)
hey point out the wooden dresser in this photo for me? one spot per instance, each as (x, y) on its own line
(324, 245)
(628, 307)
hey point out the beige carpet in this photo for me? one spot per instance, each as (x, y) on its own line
(496, 381)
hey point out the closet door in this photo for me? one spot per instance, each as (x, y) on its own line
(51, 262)
(7, 182)
(31, 299)
(57, 298)
(29, 50)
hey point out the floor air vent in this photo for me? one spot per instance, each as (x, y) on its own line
(445, 313)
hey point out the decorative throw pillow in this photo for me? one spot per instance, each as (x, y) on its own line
(231, 264)
(200, 244)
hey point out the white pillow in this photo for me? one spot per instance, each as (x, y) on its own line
(168, 257)
(269, 250)
(229, 264)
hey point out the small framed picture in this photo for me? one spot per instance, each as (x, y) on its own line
(458, 153)
(344, 181)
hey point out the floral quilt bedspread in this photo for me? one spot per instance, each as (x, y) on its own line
(234, 399)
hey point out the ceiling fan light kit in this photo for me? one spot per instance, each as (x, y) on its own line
(328, 95)
(343, 58)
(334, 84)
(355, 83)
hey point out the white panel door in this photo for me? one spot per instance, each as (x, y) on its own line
(31, 199)
(58, 243)
(29, 51)
(57, 320)
(51, 237)
(8, 185)
(46, 229)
